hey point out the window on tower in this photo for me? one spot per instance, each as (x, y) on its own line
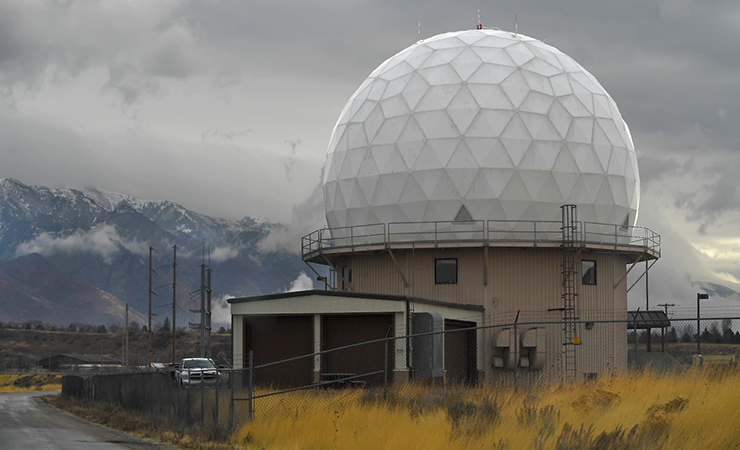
(445, 271)
(588, 272)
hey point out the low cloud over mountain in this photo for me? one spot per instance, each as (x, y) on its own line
(80, 255)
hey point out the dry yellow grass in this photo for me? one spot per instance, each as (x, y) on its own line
(698, 409)
(30, 382)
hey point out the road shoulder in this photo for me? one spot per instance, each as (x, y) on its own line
(105, 432)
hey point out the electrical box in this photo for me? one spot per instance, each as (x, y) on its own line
(427, 354)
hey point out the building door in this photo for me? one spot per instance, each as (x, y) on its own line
(275, 338)
(342, 330)
(461, 352)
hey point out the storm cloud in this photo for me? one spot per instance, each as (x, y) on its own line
(204, 102)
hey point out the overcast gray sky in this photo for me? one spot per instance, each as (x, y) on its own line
(226, 106)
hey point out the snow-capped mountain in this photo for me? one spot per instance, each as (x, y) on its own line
(101, 239)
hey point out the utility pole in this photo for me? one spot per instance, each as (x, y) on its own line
(174, 301)
(149, 326)
(666, 306)
(209, 352)
(126, 335)
(202, 310)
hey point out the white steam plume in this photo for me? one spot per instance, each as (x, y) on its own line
(307, 217)
(221, 311)
(302, 283)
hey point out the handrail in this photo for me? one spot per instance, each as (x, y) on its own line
(479, 231)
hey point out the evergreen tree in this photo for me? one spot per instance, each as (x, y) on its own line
(671, 335)
(166, 325)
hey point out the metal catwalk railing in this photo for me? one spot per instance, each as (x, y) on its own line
(532, 232)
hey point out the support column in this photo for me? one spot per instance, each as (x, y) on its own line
(237, 333)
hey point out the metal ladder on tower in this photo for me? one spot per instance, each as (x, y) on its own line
(570, 242)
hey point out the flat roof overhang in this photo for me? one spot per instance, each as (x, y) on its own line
(352, 295)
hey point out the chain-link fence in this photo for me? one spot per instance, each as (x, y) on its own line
(205, 403)
(519, 353)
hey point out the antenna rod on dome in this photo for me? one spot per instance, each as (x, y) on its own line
(479, 26)
(419, 31)
(516, 24)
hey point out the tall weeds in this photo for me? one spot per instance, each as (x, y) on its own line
(697, 409)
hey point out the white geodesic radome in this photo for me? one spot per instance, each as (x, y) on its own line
(481, 125)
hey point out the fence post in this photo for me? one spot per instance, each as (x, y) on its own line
(187, 398)
(698, 327)
(385, 370)
(636, 314)
(516, 352)
(250, 385)
(202, 400)
(215, 412)
(231, 401)
(176, 402)
(662, 339)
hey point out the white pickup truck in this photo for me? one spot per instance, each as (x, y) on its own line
(197, 371)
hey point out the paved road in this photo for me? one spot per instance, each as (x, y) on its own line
(28, 423)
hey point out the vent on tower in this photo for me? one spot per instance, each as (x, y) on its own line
(463, 215)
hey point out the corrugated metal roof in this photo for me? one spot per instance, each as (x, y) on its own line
(647, 319)
(84, 359)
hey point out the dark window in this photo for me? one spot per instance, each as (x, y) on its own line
(588, 272)
(346, 277)
(445, 271)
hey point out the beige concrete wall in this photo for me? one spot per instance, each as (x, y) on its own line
(518, 279)
(527, 280)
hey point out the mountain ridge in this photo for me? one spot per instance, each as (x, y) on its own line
(101, 238)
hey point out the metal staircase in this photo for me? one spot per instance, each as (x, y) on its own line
(569, 231)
